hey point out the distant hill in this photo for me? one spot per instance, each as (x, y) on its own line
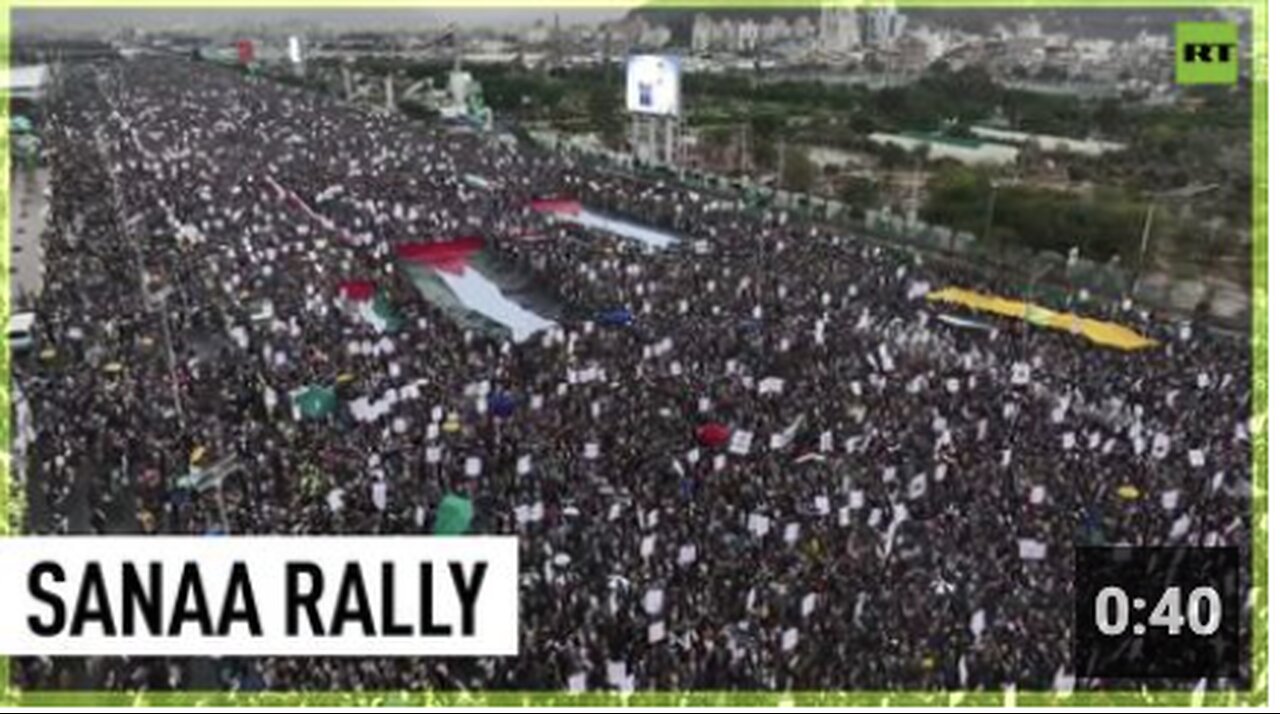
(1112, 24)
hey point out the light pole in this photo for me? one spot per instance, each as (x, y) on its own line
(1146, 238)
(991, 212)
(1152, 198)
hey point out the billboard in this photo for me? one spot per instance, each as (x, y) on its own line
(653, 84)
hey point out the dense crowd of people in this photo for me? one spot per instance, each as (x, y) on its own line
(887, 500)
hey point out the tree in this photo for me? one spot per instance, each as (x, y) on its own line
(765, 128)
(860, 123)
(860, 194)
(602, 107)
(958, 197)
(718, 137)
(1109, 116)
(892, 156)
(920, 155)
(798, 171)
(717, 140)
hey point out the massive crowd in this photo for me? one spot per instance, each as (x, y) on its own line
(903, 516)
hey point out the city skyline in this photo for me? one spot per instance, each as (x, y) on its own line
(85, 20)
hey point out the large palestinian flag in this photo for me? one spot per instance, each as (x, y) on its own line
(560, 206)
(460, 278)
(570, 210)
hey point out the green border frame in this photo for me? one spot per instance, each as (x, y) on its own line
(1256, 696)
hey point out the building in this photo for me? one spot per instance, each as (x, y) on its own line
(1093, 50)
(883, 26)
(777, 29)
(703, 34)
(932, 44)
(839, 29)
(655, 37)
(27, 82)
(913, 53)
(746, 36)
(803, 28)
(538, 34)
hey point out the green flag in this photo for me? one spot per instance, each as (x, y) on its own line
(379, 312)
(454, 515)
(314, 402)
(201, 479)
(385, 313)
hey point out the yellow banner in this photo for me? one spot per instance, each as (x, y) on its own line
(1107, 334)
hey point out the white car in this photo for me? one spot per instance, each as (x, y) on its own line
(21, 331)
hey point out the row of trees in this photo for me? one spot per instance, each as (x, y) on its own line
(1104, 224)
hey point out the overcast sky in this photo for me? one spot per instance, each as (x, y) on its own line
(90, 19)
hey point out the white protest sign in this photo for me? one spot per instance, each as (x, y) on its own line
(808, 604)
(653, 601)
(1030, 549)
(657, 632)
(1196, 458)
(790, 639)
(857, 499)
(688, 554)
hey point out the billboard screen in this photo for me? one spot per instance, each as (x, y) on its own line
(653, 84)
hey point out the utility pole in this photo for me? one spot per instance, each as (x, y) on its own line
(1184, 193)
(606, 55)
(555, 41)
(913, 201)
(782, 160)
(996, 185)
(991, 212)
(1142, 252)
(742, 148)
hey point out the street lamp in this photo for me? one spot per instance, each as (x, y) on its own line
(1153, 197)
(996, 185)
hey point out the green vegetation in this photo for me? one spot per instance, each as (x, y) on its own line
(798, 171)
(606, 115)
(1105, 224)
(1203, 140)
(860, 194)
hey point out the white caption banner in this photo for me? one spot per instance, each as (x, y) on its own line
(259, 596)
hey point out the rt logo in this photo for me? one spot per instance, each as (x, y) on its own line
(1208, 53)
